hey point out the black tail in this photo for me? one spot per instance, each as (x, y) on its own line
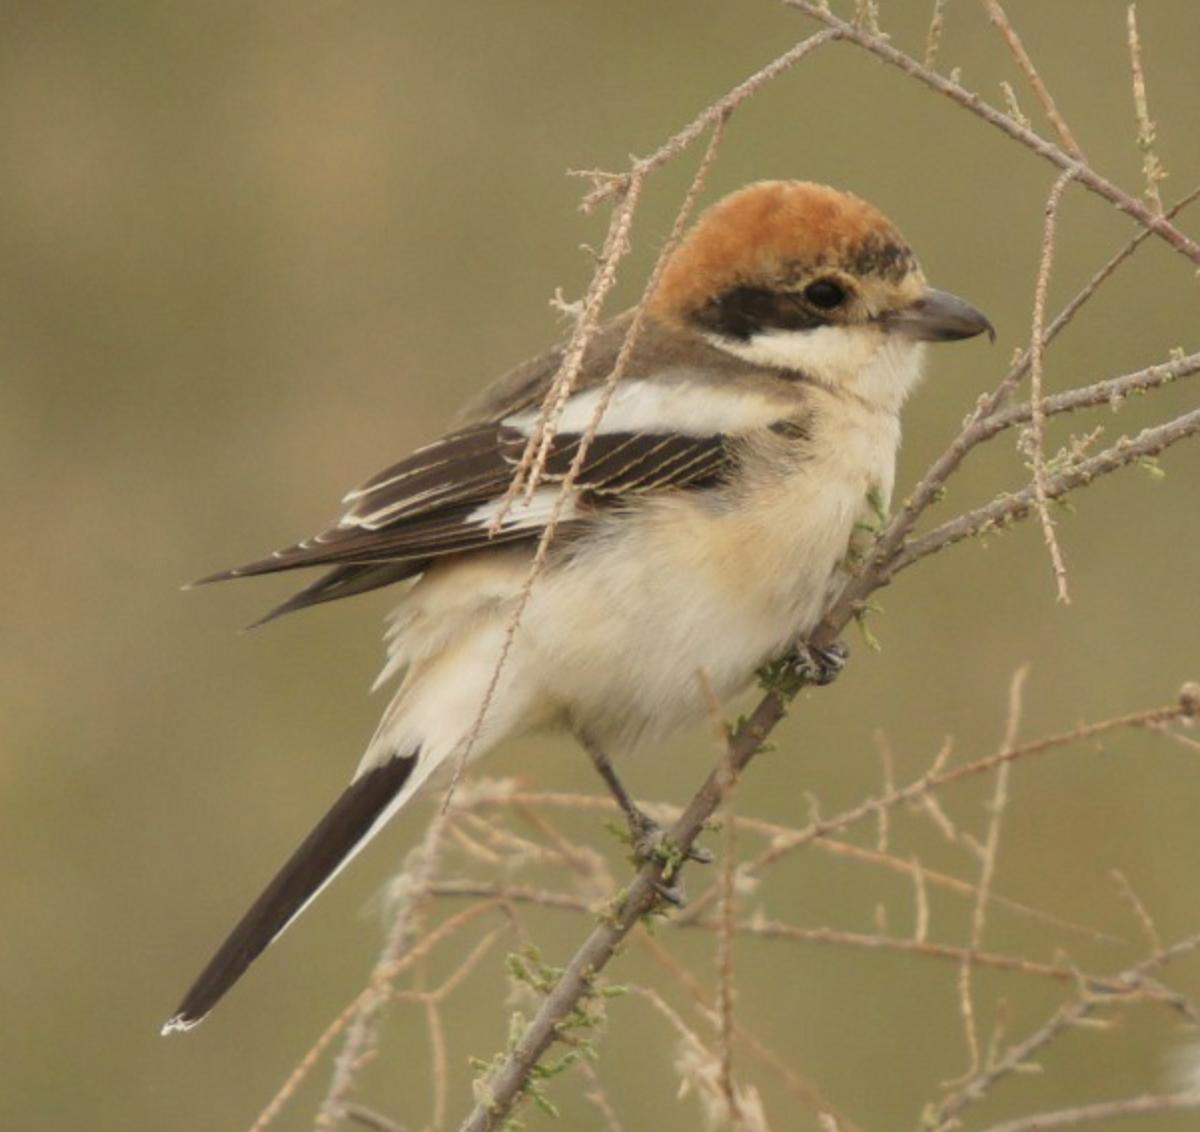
(355, 817)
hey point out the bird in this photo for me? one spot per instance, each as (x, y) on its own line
(750, 437)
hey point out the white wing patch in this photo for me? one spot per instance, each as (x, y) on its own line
(667, 406)
(525, 514)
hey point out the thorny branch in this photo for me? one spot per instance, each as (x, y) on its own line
(1036, 436)
(896, 548)
(877, 45)
(1072, 1015)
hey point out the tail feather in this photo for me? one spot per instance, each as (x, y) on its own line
(345, 581)
(361, 811)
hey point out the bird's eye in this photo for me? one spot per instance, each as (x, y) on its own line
(825, 294)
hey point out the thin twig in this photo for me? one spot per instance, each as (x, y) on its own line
(369, 1118)
(762, 928)
(998, 17)
(802, 1091)
(598, 1097)
(433, 939)
(726, 987)
(609, 185)
(1144, 919)
(1154, 1104)
(1109, 393)
(1088, 291)
(987, 871)
(407, 895)
(1085, 174)
(1148, 444)
(933, 37)
(1067, 1018)
(533, 459)
(1037, 354)
(939, 776)
(1151, 166)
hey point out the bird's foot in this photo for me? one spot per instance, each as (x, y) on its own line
(819, 665)
(652, 845)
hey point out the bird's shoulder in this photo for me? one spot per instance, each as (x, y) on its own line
(658, 348)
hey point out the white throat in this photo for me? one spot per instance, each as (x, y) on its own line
(879, 367)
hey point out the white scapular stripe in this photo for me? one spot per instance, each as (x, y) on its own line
(689, 408)
(524, 513)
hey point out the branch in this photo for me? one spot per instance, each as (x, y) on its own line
(894, 550)
(1153, 1104)
(1145, 216)
(1000, 19)
(1070, 1016)
(640, 899)
(1009, 508)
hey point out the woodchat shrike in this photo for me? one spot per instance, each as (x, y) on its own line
(751, 435)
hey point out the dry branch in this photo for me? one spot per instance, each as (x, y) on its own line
(897, 548)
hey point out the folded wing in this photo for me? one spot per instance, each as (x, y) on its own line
(452, 496)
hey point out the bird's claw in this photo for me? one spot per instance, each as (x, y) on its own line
(671, 892)
(651, 845)
(819, 665)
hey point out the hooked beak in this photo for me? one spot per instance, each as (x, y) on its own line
(941, 317)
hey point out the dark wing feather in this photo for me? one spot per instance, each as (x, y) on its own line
(627, 463)
(439, 502)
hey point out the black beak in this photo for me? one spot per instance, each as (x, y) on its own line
(941, 317)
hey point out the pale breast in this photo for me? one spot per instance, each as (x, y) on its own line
(683, 600)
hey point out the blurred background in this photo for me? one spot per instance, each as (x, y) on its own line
(253, 252)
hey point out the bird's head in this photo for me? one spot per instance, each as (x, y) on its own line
(799, 277)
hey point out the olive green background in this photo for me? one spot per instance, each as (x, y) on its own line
(251, 252)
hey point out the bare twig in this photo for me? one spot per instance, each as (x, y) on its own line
(537, 451)
(1108, 393)
(1151, 166)
(726, 987)
(1148, 444)
(1067, 1018)
(1144, 919)
(896, 549)
(933, 37)
(801, 1091)
(1037, 353)
(407, 894)
(1149, 1105)
(368, 1118)
(1086, 293)
(987, 872)
(998, 17)
(429, 942)
(598, 1097)
(1085, 174)
(609, 185)
(939, 776)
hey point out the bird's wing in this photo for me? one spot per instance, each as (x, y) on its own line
(441, 500)
(452, 496)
